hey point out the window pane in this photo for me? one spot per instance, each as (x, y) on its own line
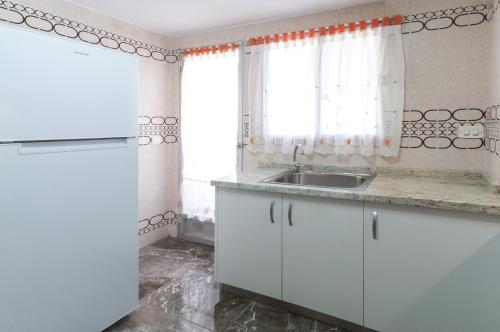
(291, 90)
(349, 86)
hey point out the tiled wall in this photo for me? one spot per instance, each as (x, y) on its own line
(445, 47)
(158, 109)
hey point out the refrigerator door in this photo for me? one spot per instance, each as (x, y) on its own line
(69, 248)
(57, 89)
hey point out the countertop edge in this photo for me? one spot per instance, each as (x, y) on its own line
(360, 196)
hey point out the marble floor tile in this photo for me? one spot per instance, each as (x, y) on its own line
(192, 298)
(149, 284)
(154, 319)
(261, 317)
(194, 249)
(178, 293)
(230, 308)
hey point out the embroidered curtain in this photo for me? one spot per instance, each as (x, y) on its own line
(336, 94)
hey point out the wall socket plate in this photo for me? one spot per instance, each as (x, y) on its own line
(471, 132)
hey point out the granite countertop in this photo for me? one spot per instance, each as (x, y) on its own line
(458, 191)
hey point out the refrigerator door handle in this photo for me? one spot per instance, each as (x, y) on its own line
(43, 147)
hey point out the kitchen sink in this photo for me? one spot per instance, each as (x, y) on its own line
(323, 179)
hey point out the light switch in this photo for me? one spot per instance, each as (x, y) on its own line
(471, 131)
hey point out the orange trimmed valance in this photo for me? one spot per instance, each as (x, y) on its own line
(210, 49)
(298, 35)
(324, 31)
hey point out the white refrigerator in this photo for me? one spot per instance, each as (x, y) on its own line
(68, 184)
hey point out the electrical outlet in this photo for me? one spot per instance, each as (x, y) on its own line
(471, 132)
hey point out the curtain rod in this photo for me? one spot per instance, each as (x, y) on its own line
(294, 35)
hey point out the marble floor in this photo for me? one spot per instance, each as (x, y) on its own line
(178, 293)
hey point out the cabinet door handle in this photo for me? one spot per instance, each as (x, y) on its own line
(271, 212)
(375, 225)
(290, 215)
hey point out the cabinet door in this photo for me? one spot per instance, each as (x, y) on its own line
(431, 270)
(323, 256)
(249, 240)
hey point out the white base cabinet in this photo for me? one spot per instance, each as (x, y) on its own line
(310, 253)
(389, 268)
(248, 242)
(323, 256)
(431, 270)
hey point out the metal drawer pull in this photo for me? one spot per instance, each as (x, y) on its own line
(271, 212)
(375, 225)
(290, 215)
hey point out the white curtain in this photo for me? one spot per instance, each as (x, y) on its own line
(209, 122)
(283, 89)
(338, 94)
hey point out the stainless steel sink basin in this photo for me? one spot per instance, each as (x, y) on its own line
(327, 180)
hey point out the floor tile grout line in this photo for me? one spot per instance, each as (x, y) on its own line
(187, 320)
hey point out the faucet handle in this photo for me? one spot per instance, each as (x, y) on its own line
(296, 167)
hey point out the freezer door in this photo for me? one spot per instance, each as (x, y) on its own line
(55, 89)
(69, 244)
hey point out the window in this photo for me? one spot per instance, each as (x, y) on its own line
(337, 93)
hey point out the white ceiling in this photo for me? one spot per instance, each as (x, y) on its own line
(180, 17)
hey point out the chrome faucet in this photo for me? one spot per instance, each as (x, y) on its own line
(296, 166)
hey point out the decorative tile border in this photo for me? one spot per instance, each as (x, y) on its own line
(36, 19)
(156, 222)
(492, 124)
(438, 128)
(165, 127)
(446, 18)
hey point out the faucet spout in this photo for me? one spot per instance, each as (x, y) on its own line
(296, 166)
